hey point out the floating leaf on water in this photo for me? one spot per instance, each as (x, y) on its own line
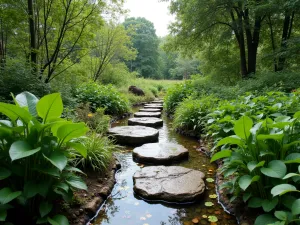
(212, 219)
(209, 204)
(143, 218)
(204, 216)
(195, 220)
(148, 215)
(213, 196)
(210, 180)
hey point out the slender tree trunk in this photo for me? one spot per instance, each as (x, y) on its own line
(32, 33)
(2, 46)
(286, 33)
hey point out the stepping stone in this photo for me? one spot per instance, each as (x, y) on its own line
(147, 114)
(150, 110)
(172, 184)
(157, 102)
(134, 135)
(153, 106)
(160, 153)
(146, 121)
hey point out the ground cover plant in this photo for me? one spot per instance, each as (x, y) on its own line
(35, 147)
(263, 162)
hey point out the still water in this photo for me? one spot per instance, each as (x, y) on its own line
(125, 208)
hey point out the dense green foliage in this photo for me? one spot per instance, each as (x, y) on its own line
(102, 96)
(35, 148)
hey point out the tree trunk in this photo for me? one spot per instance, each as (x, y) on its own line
(2, 46)
(32, 34)
(286, 33)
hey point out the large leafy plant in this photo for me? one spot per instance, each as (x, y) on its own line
(262, 161)
(35, 147)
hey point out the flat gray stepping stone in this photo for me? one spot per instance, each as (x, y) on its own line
(134, 135)
(160, 153)
(153, 106)
(150, 110)
(146, 121)
(147, 114)
(158, 102)
(172, 184)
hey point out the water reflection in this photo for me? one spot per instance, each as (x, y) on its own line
(125, 208)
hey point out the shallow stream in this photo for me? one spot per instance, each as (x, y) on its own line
(125, 208)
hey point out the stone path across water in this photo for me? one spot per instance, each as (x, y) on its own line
(173, 183)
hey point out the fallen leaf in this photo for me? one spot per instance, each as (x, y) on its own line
(195, 220)
(204, 216)
(218, 212)
(210, 180)
(143, 218)
(148, 215)
(213, 196)
(210, 170)
(212, 219)
(208, 204)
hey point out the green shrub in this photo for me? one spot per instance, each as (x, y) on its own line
(175, 95)
(17, 77)
(262, 164)
(102, 96)
(154, 91)
(98, 121)
(99, 153)
(191, 114)
(35, 147)
(220, 121)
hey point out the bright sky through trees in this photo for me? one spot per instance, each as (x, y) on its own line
(153, 10)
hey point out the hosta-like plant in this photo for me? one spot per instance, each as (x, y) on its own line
(34, 152)
(263, 163)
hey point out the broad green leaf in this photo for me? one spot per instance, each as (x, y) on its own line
(281, 215)
(50, 171)
(287, 146)
(281, 189)
(58, 220)
(74, 169)
(246, 180)
(242, 127)
(67, 132)
(276, 137)
(253, 165)
(76, 182)
(255, 202)
(28, 100)
(4, 173)
(287, 201)
(246, 196)
(14, 112)
(289, 175)
(58, 159)
(5, 132)
(269, 205)
(80, 148)
(50, 107)
(292, 158)
(276, 169)
(232, 140)
(30, 189)
(6, 195)
(45, 208)
(220, 155)
(296, 207)
(21, 149)
(265, 219)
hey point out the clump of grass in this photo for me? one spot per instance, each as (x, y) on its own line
(99, 153)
